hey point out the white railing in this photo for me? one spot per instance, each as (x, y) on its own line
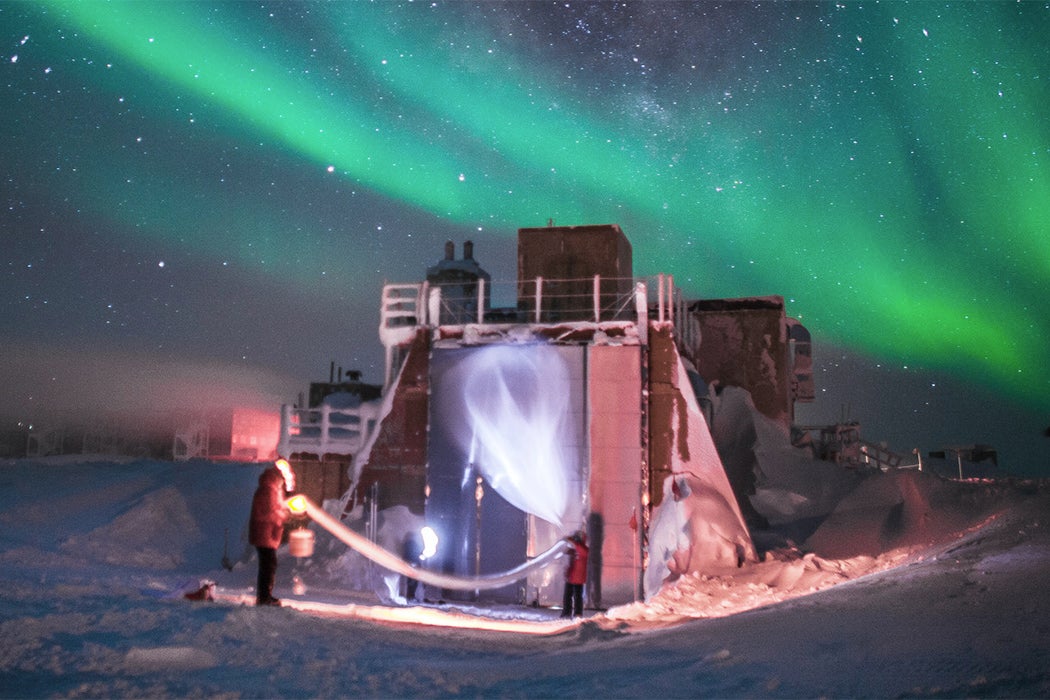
(540, 300)
(325, 430)
(402, 309)
(408, 307)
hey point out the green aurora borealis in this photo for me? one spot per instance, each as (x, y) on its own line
(884, 167)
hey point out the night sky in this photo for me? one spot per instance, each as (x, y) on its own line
(201, 201)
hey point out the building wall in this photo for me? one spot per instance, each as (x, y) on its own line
(568, 258)
(744, 343)
(321, 481)
(254, 434)
(614, 391)
(398, 458)
(664, 411)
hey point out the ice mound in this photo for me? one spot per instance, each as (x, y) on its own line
(152, 534)
(903, 509)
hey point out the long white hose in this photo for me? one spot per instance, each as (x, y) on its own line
(396, 564)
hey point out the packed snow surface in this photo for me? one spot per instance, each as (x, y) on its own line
(911, 586)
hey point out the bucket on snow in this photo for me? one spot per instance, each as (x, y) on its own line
(301, 542)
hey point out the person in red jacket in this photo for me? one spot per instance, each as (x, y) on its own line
(265, 530)
(575, 575)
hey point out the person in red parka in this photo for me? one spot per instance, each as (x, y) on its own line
(265, 530)
(575, 575)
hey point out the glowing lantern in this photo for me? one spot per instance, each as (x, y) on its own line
(297, 504)
(430, 542)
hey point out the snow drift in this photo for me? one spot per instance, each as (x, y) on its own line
(943, 582)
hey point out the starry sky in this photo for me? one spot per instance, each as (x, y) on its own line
(201, 201)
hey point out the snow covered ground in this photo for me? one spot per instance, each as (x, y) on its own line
(913, 586)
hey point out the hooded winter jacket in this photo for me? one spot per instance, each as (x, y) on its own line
(577, 570)
(266, 527)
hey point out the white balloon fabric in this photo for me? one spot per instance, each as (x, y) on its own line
(517, 427)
